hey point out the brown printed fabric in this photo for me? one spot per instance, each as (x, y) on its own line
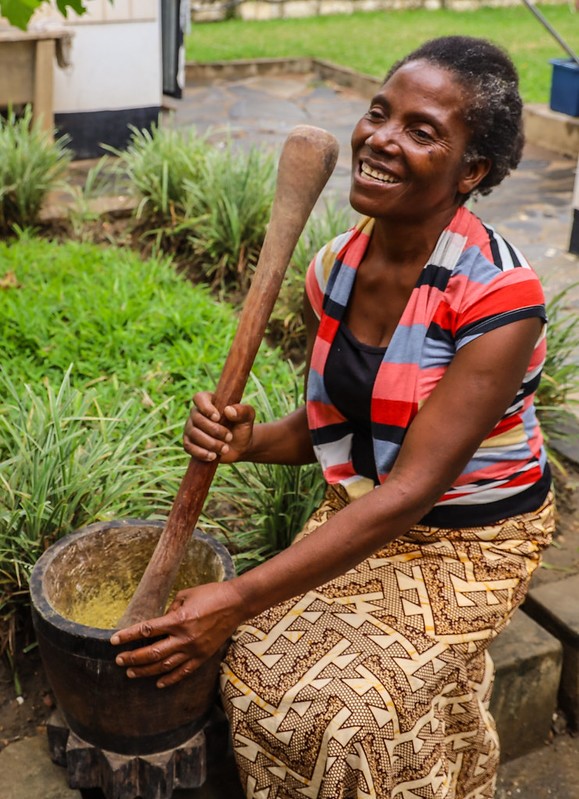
(377, 684)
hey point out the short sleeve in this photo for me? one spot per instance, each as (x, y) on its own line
(511, 295)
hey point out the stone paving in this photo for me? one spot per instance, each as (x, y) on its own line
(533, 209)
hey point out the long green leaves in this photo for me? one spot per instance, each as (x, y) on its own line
(31, 164)
(558, 391)
(232, 200)
(66, 461)
(157, 164)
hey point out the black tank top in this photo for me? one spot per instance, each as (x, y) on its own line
(349, 377)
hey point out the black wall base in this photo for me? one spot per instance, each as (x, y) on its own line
(90, 129)
(574, 242)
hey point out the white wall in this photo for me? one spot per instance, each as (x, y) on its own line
(115, 56)
(112, 66)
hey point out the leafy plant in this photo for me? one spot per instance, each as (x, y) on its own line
(558, 391)
(18, 12)
(66, 461)
(259, 508)
(157, 164)
(227, 212)
(31, 164)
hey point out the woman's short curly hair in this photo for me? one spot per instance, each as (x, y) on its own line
(494, 109)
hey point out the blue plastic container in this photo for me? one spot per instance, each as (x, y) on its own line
(565, 87)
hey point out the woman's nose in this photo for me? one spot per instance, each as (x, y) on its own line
(385, 136)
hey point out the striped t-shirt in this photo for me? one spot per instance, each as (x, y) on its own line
(473, 282)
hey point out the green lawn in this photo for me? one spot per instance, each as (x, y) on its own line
(370, 42)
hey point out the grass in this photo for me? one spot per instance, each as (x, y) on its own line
(119, 319)
(102, 352)
(370, 42)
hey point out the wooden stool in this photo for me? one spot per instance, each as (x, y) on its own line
(152, 776)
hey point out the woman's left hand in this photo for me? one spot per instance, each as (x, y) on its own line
(196, 625)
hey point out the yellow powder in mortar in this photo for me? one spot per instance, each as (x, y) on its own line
(103, 608)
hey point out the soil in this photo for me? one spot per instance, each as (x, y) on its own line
(26, 700)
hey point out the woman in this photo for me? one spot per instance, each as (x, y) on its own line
(359, 664)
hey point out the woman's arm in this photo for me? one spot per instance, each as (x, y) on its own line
(469, 400)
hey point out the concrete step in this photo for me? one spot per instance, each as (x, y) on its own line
(528, 662)
(555, 606)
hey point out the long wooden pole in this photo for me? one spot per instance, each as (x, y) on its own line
(306, 162)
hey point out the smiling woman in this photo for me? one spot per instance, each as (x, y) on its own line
(359, 661)
(417, 115)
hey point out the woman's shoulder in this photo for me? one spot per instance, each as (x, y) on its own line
(486, 253)
(330, 256)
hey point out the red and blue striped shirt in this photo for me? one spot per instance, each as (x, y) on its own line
(473, 282)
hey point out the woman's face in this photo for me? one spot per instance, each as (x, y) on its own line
(408, 149)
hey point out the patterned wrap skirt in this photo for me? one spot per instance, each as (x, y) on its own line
(377, 684)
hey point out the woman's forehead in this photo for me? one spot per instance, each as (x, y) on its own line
(425, 85)
(428, 75)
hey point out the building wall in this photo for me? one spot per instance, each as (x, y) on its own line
(205, 10)
(115, 56)
(114, 76)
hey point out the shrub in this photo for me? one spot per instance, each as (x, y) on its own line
(209, 205)
(227, 213)
(66, 461)
(31, 164)
(157, 165)
(558, 390)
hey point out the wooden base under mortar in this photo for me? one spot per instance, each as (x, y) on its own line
(152, 776)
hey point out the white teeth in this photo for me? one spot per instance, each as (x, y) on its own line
(373, 173)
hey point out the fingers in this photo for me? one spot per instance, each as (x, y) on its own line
(156, 658)
(145, 629)
(173, 667)
(178, 674)
(206, 437)
(159, 658)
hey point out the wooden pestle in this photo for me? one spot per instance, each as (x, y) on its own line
(307, 160)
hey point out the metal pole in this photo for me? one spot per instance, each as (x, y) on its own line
(552, 31)
(574, 241)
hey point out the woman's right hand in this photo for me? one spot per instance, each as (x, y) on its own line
(205, 437)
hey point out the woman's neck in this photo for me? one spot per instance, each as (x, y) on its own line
(411, 244)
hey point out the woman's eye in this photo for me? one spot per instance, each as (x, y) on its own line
(374, 113)
(422, 135)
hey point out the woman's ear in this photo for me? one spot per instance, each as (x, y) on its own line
(472, 174)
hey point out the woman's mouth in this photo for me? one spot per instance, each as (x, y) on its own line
(376, 174)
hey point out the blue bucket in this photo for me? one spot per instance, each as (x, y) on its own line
(565, 87)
